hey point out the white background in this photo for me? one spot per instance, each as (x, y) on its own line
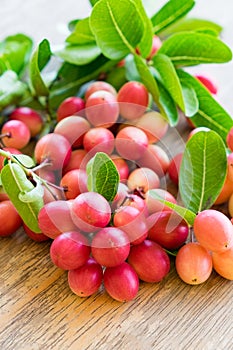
(48, 19)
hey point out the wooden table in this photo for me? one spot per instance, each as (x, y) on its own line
(38, 310)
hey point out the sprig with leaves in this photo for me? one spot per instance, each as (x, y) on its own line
(94, 48)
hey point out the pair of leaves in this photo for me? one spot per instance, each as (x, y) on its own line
(204, 160)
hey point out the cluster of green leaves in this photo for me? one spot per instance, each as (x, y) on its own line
(94, 47)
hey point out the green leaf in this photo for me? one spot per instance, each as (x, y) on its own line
(79, 54)
(169, 78)
(167, 106)
(131, 71)
(71, 77)
(72, 24)
(147, 78)
(203, 170)
(117, 77)
(145, 44)
(11, 89)
(33, 195)
(93, 2)
(185, 213)
(210, 114)
(170, 13)
(38, 61)
(190, 99)
(109, 21)
(15, 182)
(192, 24)
(82, 33)
(24, 160)
(103, 176)
(15, 51)
(192, 48)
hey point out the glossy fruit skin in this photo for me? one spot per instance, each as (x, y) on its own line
(98, 140)
(55, 218)
(99, 85)
(74, 182)
(19, 134)
(73, 128)
(193, 263)
(143, 179)
(225, 193)
(102, 109)
(223, 263)
(133, 100)
(90, 211)
(156, 44)
(122, 194)
(132, 222)
(70, 250)
(110, 246)
(121, 165)
(78, 160)
(131, 143)
(168, 230)
(37, 237)
(86, 280)
(208, 84)
(213, 230)
(54, 147)
(30, 117)
(156, 159)
(70, 106)
(154, 205)
(9, 218)
(230, 205)
(154, 125)
(121, 282)
(174, 168)
(137, 202)
(150, 261)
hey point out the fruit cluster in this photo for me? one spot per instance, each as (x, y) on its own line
(129, 238)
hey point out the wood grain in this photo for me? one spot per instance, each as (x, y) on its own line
(38, 310)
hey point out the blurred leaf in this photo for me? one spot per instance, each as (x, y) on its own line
(15, 51)
(39, 59)
(11, 89)
(171, 12)
(145, 44)
(192, 24)
(79, 54)
(82, 33)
